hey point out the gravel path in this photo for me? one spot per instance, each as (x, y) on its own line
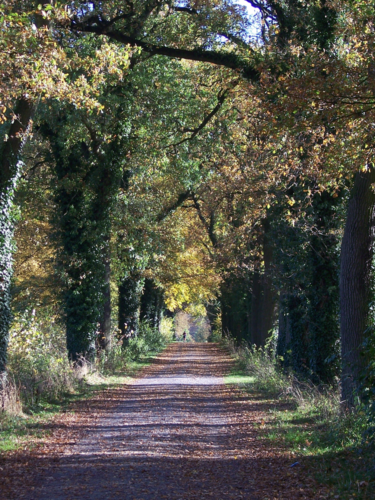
(168, 438)
(175, 433)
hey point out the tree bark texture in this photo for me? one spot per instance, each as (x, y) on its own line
(355, 281)
(9, 174)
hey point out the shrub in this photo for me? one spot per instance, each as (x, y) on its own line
(167, 328)
(148, 340)
(112, 361)
(37, 360)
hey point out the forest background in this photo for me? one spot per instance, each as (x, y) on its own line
(198, 156)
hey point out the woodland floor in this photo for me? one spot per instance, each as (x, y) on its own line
(176, 432)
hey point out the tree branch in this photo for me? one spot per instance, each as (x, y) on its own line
(226, 59)
(185, 9)
(180, 200)
(221, 98)
(209, 226)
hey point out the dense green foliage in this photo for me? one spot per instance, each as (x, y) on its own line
(186, 156)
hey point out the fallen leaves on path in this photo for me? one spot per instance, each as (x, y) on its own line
(176, 433)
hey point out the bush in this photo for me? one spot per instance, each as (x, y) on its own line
(37, 359)
(167, 329)
(112, 361)
(148, 340)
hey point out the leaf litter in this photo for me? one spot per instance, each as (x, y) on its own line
(176, 432)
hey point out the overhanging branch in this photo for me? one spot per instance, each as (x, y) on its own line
(228, 60)
(182, 197)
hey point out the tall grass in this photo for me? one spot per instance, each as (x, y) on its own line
(336, 428)
(37, 360)
(10, 401)
(321, 401)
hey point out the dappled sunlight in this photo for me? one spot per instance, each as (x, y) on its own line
(177, 432)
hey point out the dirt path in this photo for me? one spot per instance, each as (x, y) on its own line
(175, 433)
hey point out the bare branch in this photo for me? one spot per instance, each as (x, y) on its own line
(221, 98)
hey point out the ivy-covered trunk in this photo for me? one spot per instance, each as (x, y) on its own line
(151, 303)
(297, 308)
(235, 307)
(355, 281)
(268, 299)
(323, 295)
(323, 310)
(213, 311)
(104, 338)
(88, 180)
(9, 174)
(283, 337)
(81, 258)
(256, 309)
(129, 305)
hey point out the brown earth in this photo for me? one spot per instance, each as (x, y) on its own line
(177, 432)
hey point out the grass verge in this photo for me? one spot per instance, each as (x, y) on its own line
(31, 426)
(324, 442)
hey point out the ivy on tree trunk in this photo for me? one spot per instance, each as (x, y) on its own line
(10, 171)
(129, 305)
(151, 303)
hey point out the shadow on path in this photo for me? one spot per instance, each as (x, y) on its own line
(176, 433)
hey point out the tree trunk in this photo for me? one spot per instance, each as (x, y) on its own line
(225, 309)
(159, 308)
(9, 174)
(323, 295)
(268, 298)
(234, 301)
(82, 252)
(256, 310)
(105, 339)
(282, 341)
(355, 281)
(151, 303)
(298, 332)
(129, 305)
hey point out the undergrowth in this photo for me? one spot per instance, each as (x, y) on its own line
(308, 421)
(41, 381)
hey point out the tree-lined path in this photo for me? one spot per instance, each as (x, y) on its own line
(176, 432)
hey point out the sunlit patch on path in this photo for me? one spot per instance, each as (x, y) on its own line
(175, 433)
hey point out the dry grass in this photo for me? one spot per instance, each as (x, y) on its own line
(10, 401)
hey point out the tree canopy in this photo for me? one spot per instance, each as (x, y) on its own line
(189, 155)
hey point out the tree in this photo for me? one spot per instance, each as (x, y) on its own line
(28, 39)
(152, 302)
